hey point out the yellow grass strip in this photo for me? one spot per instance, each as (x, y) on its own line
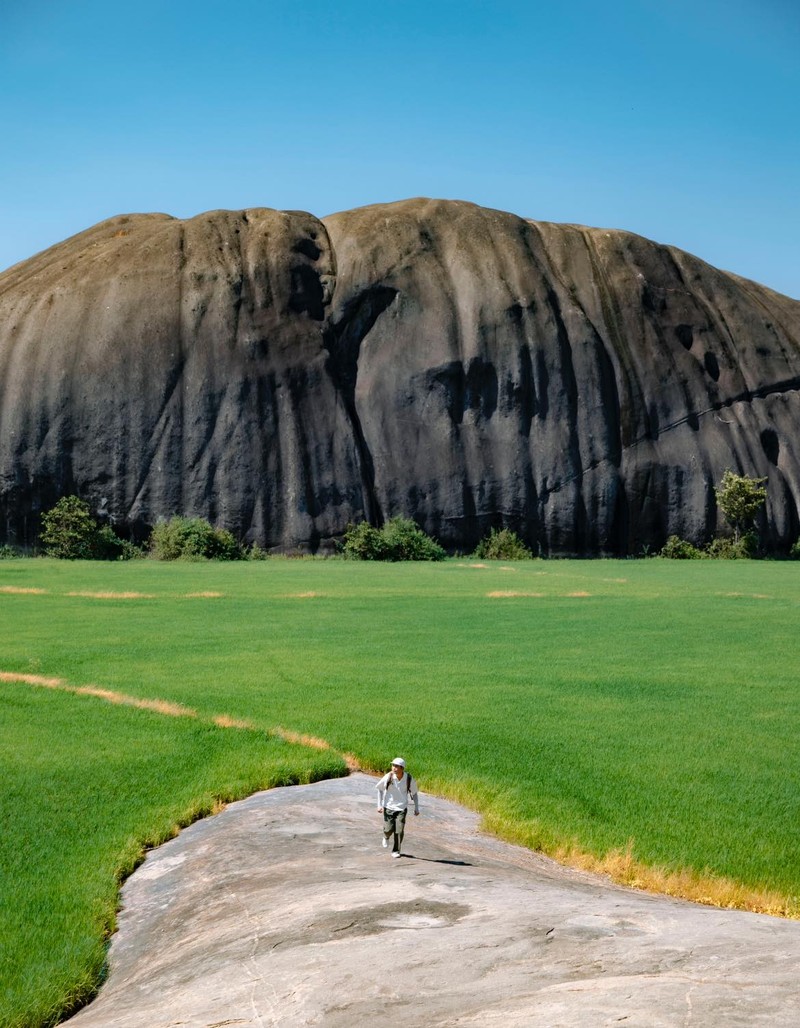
(578, 594)
(17, 590)
(48, 683)
(171, 710)
(710, 890)
(301, 596)
(315, 743)
(622, 867)
(223, 721)
(109, 695)
(157, 706)
(302, 740)
(477, 565)
(499, 594)
(115, 596)
(208, 595)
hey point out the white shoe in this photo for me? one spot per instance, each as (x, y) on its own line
(395, 854)
(385, 842)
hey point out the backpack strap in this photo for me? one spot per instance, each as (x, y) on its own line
(406, 775)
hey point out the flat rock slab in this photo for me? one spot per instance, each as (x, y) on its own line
(285, 910)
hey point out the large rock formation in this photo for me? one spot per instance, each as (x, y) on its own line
(282, 376)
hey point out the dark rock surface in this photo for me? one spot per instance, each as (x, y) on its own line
(159, 367)
(283, 375)
(284, 910)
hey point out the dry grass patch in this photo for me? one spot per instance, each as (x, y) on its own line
(205, 595)
(504, 594)
(710, 890)
(302, 740)
(157, 706)
(114, 596)
(47, 683)
(578, 595)
(623, 868)
(224, 721)
(16, 590)
(109, 695)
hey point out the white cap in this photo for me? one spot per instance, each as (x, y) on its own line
(398, 762)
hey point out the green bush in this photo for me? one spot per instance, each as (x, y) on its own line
(8, 552)
(502, 545)
(71, 532)
(676, 548)
(794, 552)
(399, 539)
(364, 542)
(192, 539)
(256, 552)
(742, 548)
(109, 546)
(405, 540)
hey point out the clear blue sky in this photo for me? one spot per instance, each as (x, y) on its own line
(676, 119)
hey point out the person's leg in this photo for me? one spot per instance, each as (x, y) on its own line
(388, 825)
(399, 830)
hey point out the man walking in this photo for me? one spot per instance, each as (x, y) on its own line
(394, 790)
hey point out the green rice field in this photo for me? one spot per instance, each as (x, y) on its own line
(644, 706)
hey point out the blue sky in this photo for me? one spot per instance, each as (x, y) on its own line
(677, 120)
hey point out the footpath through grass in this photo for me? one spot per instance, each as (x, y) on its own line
(592, 708)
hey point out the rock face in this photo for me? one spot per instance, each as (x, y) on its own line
(282, 376)
(268, 914)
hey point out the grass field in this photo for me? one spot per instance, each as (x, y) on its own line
(641, 717)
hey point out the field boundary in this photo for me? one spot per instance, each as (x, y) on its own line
(618, 866)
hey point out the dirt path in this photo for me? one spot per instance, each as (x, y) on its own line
(285, 910)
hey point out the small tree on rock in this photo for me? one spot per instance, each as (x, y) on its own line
(740, 498)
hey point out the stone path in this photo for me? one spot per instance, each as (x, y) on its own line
(285, 910)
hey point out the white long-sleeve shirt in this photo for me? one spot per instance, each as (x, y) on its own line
(393, 792)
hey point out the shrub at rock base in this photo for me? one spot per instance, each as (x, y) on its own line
(743, 548)
(676, 548)
(70, 532)
(192, 539)
(399, 539)
(502, 545)
(109, 546)
(364, 542)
